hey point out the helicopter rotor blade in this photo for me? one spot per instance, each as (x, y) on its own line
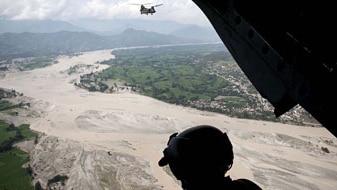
(158, 5)
(139, 3)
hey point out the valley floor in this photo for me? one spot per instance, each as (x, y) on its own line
(110, 141)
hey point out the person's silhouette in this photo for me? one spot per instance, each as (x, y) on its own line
(199, 157)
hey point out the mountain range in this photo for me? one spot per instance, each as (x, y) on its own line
(108, 27)
(24, 38)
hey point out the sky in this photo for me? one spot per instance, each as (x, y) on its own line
(183, 11)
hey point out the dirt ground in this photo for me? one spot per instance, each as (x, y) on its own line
(114, 141)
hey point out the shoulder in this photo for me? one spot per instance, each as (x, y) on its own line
(245, 184)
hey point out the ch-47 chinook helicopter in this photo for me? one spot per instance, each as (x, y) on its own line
(147, 10)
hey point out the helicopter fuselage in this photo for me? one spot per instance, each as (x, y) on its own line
(144, 10)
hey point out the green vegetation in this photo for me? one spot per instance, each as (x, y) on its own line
(23, 45)
(7, 107)
(33, 62)
(325, 149)
(194, 75)
(201, 76)
(167, 74)
(5, 104)
(58, 178)
(37, 62)
(12, 175)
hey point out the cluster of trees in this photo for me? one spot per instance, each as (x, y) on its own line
(56, 179)
(5, 93)
(8, 143)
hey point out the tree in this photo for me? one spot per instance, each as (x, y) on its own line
(36, 140)
(11, 127)
(38, 186)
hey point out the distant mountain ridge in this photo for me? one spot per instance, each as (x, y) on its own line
(195, 32)
(109, 27)
(36, 26)
(24, 38)
(15, 45)
(116, 26)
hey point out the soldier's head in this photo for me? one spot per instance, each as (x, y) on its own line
(197, 153)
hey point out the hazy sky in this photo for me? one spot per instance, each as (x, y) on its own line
(184, 11)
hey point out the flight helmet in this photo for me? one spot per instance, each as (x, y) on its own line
(198, 152)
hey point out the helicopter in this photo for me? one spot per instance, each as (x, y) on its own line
(145, 10)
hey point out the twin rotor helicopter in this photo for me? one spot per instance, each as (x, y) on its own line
(147, 10)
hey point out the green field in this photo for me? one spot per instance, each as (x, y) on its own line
(194, 75)
(12, 175)
(4, 104)
(169, 73)
(204, 77)
(37, 62)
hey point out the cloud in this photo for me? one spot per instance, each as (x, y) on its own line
(178, 10)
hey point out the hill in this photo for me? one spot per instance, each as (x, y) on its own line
(18, 45)
(36, 26)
